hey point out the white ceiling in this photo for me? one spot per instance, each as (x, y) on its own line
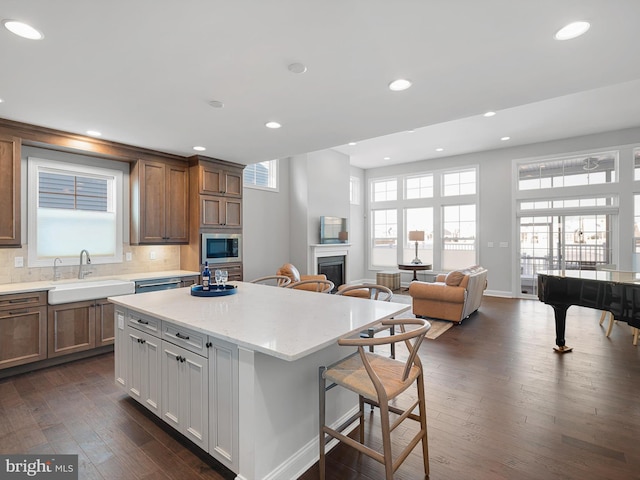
(144, 71)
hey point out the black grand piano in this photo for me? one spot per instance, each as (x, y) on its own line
(616, 292)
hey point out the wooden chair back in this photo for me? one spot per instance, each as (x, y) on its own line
(274, 280)
(320, 286)
(374, 292)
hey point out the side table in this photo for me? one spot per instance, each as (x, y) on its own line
(415, 267)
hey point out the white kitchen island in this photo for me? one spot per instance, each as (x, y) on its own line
(250, 368)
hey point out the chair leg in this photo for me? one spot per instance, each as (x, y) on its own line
(392, 331)
(386, 440)
(322, 413)
(423, 424)
(361, 407)
(635, 335)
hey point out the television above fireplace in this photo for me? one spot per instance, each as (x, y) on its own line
(334, 230)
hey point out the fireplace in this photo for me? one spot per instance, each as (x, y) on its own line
(334, 268)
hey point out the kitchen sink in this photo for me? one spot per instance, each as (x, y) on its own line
(88, 290)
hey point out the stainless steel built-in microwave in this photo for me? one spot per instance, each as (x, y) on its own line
(221, 247)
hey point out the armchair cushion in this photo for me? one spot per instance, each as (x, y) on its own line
(454, 278)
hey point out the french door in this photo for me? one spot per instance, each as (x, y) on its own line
(568, 242)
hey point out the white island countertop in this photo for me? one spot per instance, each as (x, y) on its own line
(281, 322)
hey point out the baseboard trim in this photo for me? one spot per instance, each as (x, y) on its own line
(308, 455)
(498, 293)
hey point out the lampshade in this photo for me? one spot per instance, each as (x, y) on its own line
(343, 236)
(416, 236)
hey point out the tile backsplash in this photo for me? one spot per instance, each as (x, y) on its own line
(166, 258)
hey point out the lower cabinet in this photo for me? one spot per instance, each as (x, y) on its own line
(78, 326)
(223, 402)
(105, 333)
(23, 328)
(120, 348)
(185, 393)
(144, 368)
(71, 328)
(188, 379)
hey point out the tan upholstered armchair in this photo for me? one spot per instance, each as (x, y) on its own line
(289, 270)
(453, 296)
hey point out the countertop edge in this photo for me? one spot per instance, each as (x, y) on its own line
(46, 285)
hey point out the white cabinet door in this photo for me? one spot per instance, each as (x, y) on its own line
(185, 393)
(144, 368)
(223, 401)
(120, 348)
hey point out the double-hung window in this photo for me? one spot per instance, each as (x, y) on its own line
(73, 207)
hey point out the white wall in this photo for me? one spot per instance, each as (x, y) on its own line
(319, 184)
(357, 232)
(266, 220)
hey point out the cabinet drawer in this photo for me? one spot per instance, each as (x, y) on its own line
(144, 323)
(191, 340)
(12, 301)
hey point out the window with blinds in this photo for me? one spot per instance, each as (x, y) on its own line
(262, 175)
(72, 192)
(73, 207)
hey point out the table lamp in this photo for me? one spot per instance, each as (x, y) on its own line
(416, 236)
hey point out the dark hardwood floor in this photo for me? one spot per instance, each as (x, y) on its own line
(500, 404)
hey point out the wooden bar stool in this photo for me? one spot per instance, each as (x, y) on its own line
(377, 380)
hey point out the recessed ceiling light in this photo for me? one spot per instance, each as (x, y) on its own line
(489, 114)
(399, 85)
(198, 148)
(572, 30)
(297, 68)
(411, 131)
(216, 104)
(272, 125)
(387, 158)
(504, 139)
(22, 30)
(94, 133)
(352, 144)
(1, 100)
(439, 149)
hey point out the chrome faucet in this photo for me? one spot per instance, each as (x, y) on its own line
(81, 271)
(56, 273)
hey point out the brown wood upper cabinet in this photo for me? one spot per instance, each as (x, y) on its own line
(217, 180)
(9, 191)
(159, 202)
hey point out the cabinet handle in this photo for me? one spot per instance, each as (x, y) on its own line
(18, 312)
(177, 358)
(19, 300)
(141, 340)
(182, 359)
(209, 345)
(144, 322)
(183, 337)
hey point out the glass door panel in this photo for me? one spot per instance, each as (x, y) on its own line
(569, 242)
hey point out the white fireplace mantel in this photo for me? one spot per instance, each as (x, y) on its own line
(327, 250)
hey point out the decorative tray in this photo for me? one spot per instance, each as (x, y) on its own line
(196, 291)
